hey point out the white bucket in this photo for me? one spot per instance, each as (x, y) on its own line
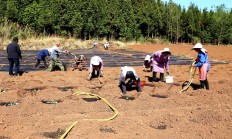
(169, 79)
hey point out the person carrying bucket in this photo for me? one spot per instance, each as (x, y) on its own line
(160, 63)
(96, 63)
(203, 64)
(128, 73)
(147, 63)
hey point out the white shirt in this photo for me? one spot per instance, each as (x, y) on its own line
(54, 50)
(124, 70)
(106, 45)
(95, 59)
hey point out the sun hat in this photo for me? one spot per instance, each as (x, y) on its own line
(166, 50)
(197, 46)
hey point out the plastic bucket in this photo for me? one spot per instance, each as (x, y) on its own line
(142, 83)
(169, 79)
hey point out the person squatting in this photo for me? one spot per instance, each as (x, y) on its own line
(128, 73)
(96, 64)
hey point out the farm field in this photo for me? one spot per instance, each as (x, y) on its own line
(159, 111)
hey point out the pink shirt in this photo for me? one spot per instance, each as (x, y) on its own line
(159, 62)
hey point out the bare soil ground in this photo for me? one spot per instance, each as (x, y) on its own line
(160, 111)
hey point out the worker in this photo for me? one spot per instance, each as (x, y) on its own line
(147, 63)
(203, 64)
(130, 74)
(106, 45)
(54, 61)
(41, 56)
(96, 64)
(13, 55)
(160, 63)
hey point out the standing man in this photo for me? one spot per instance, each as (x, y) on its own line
(160, 63)
(96, 63)
(54, 54)
(13, 55)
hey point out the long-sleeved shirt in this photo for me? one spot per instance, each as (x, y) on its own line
(13, 50)
(124, 71)
(202, 58)
(54, 51)
(42, 54)
(98, 60)
(160, 62)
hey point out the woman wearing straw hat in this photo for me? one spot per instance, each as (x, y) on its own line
(203, 64)
(160, 63)
(96, 63)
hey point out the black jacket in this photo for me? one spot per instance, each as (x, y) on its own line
(13, 50)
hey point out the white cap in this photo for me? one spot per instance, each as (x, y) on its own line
(95, 62)
(147, 57)
(197, 46)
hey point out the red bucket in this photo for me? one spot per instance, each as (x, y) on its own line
(142, 83)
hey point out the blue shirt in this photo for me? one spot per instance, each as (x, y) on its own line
(201, 59)
(42, 54)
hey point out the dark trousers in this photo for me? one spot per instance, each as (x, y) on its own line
(154, 76)
(130, 75)
(38, 62)
(98, 73)
(14, 62)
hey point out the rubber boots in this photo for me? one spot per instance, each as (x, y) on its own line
(202, 84)
(154, 76)
(206, 84)
(162, 77)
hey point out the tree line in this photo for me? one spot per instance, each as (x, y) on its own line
(124, 20)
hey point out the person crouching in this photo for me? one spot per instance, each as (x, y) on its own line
(128, 73)
(96, 64)
(147, 63)
(41, 56)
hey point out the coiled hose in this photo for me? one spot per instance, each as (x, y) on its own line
(192, 74)
(105, 119)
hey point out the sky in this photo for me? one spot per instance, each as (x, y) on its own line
(204, 3)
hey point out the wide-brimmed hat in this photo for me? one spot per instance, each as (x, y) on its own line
(166, 50)
(197, 46)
